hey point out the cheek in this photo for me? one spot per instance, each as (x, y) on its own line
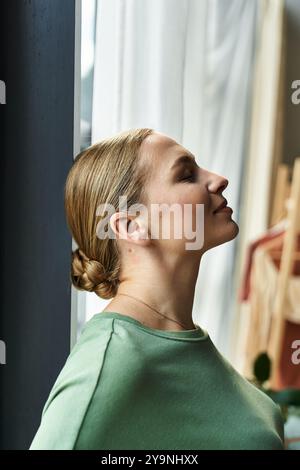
(185, 194)
(193, 194)
(194, 197)
(196, 211)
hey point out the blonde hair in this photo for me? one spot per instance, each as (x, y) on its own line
(99, 175)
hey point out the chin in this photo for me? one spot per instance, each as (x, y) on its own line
(228, 234)
(231, 232)
(235, 229)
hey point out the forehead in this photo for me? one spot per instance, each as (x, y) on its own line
(160, 150)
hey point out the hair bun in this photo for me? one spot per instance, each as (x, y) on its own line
(90, 275)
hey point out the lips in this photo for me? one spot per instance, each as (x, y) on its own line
(221, 206)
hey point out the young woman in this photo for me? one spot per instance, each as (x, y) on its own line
(142, 375)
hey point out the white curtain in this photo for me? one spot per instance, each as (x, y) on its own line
(264, 149)
(183, 68)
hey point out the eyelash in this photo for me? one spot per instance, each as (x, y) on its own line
(188, 178)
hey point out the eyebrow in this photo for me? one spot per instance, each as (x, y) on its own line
(182, 160)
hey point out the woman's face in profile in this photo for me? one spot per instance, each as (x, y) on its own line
(175, 178)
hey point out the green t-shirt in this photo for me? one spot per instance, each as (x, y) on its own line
(128, 386)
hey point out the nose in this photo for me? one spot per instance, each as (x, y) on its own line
(217, 183)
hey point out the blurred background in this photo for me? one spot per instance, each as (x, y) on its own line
(222, 77)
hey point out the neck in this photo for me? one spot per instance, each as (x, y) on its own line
(168, 287)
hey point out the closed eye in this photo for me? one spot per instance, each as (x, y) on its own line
(188, 178)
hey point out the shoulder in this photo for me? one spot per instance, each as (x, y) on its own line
(96, 364)
(268, 410)
(271, 410)
(261, 407)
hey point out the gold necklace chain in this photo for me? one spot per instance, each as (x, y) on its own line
(162, 314)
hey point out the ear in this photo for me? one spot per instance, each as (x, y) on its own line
(130, 228)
